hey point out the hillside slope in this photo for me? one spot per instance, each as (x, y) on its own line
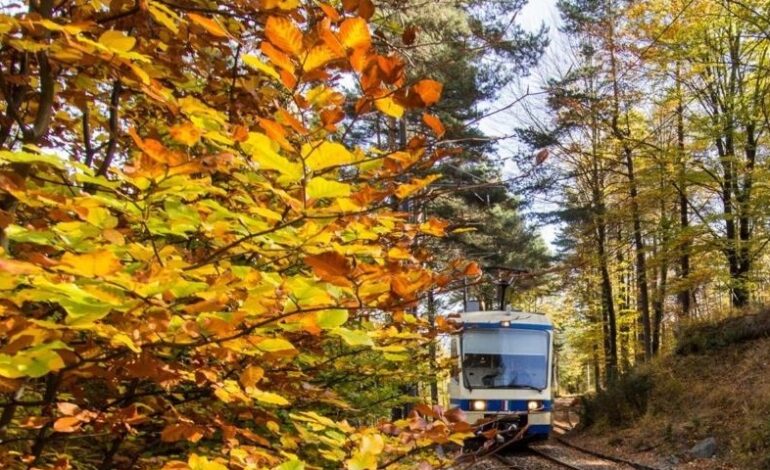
(671, 404)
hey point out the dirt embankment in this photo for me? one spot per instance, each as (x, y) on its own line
(715, 390)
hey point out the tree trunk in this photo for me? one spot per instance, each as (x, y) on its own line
(685, 246)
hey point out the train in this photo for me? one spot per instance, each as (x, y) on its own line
(504, 377)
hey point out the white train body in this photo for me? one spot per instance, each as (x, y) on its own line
(505, 377)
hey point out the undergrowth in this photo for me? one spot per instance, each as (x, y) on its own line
(716, 385)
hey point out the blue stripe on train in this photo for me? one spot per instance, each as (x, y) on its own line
(514, 326)
(500, 405)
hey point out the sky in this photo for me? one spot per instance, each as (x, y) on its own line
(534, 14)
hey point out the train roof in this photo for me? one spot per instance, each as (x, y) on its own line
(497, 316)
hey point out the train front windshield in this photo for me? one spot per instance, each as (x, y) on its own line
(505, 358)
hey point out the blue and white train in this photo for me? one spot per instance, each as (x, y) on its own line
(505, 379)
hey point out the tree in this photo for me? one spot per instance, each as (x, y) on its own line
(191, 247)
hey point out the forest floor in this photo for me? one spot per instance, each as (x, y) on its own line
(722, 394)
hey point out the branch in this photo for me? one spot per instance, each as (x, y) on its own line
(114, 128)
(45, 106)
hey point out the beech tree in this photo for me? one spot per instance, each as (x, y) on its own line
(191, 248)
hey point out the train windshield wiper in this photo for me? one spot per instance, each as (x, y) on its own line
(525, 386)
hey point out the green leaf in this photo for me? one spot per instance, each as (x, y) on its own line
(353, 337)
(291, 465)
(331, 318)
(34, 362)
(275, 345)
(26, 157)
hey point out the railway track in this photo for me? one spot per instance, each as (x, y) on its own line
(569, 456)
(515, 465)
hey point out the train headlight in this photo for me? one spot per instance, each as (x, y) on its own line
(505, 323)
(534, 405)
(479, 405)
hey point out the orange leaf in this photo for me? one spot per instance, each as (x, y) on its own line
(330, 117)
(541, 156)
(329, 264)
(277, 57)
(284, 34)
(403, 286)
(350, 5)
(288, 79)
(287, 118)
(186, 134)
(329, 38)
(428, 90)
(179, 431)
(330, 12)
(251, 375)
(67, 424)
(354, 33)
(366, 9)
(472, 269)
(434, 123)
(276, 132)
(209, 25)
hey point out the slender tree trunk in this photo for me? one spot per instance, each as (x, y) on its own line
(642, 300)
(608, 304)
(685, 246)
(432, 350)
(623, 302)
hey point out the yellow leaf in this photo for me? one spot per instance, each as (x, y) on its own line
(209, 25)
(388, 105)
(362, 462)
(372, 444)
(354, 33)
(323, 188)
(263, 152)
(318, 56)
(140, 73)
(197, 462)
(122, 339)
(164, 15)
(325, 155)
(97, 263)
(117, 41)
(256, 64)
(268, 397)
(186, 134)
(251, 375)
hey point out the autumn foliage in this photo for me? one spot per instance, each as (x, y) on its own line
(188, 240)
